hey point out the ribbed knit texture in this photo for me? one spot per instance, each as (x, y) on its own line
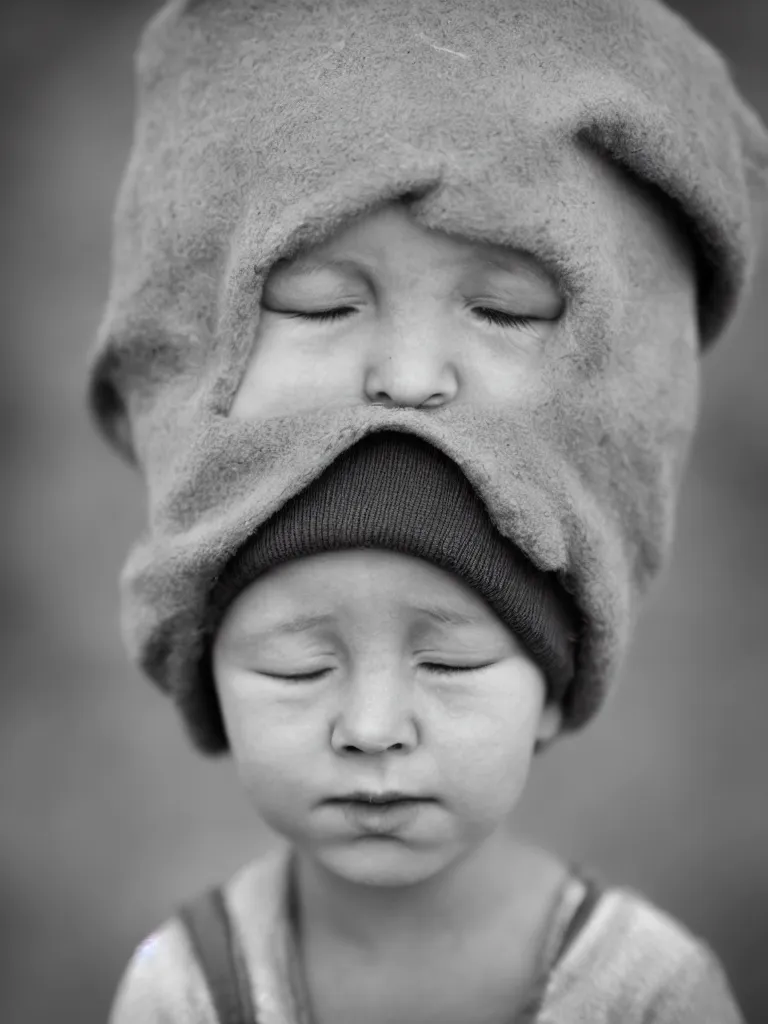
(395, 491)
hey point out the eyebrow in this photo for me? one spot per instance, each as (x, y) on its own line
(447, 616)
(303, 623)
(290, 626)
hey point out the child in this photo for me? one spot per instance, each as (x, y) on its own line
(386, 664)
(507, 229)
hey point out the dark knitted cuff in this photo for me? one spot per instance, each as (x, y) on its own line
(397, 492)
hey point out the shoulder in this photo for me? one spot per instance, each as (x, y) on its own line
(163, 982)
(634, 959)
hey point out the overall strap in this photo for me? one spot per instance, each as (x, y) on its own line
(220, 957)
(582, 913)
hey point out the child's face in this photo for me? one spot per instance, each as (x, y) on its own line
(373, 672)
(423, 320)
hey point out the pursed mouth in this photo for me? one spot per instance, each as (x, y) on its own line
(378, 799)
(383, 815)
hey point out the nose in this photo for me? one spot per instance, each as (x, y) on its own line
(376, 717)
(410, 367)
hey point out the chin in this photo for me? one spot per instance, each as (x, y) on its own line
(382, 862)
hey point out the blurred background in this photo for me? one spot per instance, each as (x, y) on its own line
(107, 817)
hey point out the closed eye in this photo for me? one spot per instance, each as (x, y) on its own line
(501, 319)
(326, 314)
(492, 316)
(299, 677)
(438, 669)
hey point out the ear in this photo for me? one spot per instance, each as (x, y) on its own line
(549, 724)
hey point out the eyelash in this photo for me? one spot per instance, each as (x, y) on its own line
(452, 669)
(302, 677)
(494, 316)
(431, 666)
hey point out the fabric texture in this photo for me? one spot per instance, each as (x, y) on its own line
(220, 957)
(629, 962)
(594, 134)
(394, 491)
(217, 949)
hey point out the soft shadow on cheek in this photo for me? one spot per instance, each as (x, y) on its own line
(271, 770)
(290, 374)
(271, 740)
(260, 721)
(488, 756)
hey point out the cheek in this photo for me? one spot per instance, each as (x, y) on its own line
(292, 372)
(273, 746)
(486, 745)
(508, 381)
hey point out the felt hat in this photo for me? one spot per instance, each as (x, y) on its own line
(599, 136)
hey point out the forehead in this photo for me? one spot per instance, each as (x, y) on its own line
(384, 580)
(392, 233)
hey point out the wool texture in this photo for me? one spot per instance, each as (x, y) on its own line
(593, 134)
(392, 491)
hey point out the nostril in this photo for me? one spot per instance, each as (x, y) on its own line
(382, 398)
(368, 749)
(438, 398)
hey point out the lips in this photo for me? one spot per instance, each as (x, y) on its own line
(380, 813)
(370, 797)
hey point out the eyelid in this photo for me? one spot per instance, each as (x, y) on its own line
(496, 317)
(325, 315)
(454, 669)
(500, 318)
(297, 676)
(329, 313)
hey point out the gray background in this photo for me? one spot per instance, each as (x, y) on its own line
(108, 818)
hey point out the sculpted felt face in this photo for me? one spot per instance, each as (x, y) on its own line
(392, 313)
(372, 672)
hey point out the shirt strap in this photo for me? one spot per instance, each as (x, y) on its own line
(577, 911)
(220, 957)
(571, 910)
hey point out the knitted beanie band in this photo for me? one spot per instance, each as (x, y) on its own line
(396, 492)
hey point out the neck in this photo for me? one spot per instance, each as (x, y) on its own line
(499, 881)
